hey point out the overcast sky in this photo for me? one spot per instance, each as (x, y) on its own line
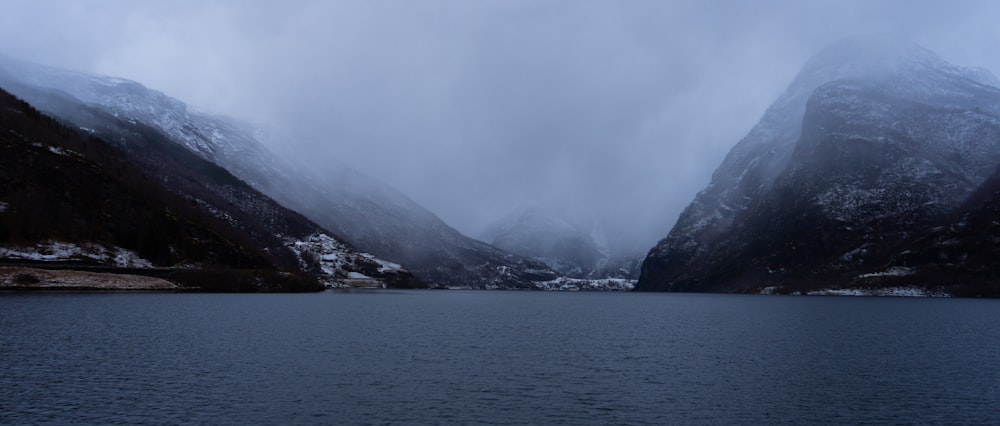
(613, 109)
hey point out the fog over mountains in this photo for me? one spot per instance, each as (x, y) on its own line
(364, 212)
(571, 248)
(507, 144)
(620, 110)
(876, 146)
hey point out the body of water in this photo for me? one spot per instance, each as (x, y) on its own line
(418, 357)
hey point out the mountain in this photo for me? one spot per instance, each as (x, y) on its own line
(367, 214)
(142, 196)
(68, 197)
(384, 221)
(568, 248)
(874, 147)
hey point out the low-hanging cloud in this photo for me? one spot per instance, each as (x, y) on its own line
(613, 111)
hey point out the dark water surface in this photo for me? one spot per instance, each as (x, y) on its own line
(496, 357)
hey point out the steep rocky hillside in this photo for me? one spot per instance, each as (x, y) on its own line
(873, 147)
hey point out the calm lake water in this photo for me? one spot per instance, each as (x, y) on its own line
(411, 357)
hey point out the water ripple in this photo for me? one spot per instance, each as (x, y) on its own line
(495, 358)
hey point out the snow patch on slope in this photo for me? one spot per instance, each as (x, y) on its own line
(326, 250)
(385, 266)
(51, 251)
(895, 271)
(338, 264)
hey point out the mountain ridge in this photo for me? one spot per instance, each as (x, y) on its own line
(219, 197)
(367, 214)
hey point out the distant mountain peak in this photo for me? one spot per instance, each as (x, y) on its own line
(883, 56)
(572, 247)
(871, 54)
(882, 59)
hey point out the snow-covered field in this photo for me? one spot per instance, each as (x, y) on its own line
(50, 251)
(25, 278)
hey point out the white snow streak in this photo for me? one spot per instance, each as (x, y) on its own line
(886, 291)
(50, 251)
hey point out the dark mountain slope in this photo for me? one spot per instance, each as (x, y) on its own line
(59, 185)
(962, 255)
(366, 213)
(288, 240)
(889, 141)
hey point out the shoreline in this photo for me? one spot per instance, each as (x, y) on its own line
(20, 278)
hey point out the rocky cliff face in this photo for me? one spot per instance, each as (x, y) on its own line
(873, 145)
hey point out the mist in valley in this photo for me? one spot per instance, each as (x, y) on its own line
(600, 113)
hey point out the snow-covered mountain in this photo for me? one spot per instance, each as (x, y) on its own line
(237, 211)
(872, 145)
(571, 249)
(366, 213)
(165, 219)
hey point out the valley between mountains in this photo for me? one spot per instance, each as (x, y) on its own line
(877, 172)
